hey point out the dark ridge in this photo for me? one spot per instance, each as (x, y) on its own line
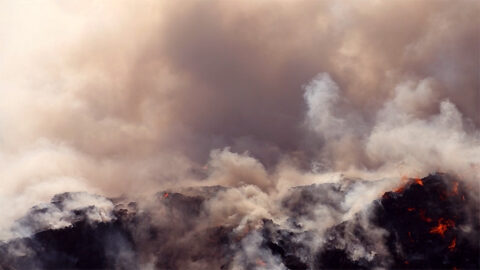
(429, 223)
(81, 246)
(434, 221)
(281, 243)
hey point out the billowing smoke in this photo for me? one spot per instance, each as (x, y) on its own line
(254, 126)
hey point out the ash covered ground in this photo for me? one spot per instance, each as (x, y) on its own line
(428, 223)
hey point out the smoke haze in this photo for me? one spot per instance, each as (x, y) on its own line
(121, 98)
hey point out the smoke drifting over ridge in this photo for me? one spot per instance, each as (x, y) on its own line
(119, 98)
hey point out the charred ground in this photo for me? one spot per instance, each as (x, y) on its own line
(429, 223)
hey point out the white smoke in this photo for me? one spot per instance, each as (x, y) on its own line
(404, 138)
(118, 98)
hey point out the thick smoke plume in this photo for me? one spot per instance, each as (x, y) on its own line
(249, 98)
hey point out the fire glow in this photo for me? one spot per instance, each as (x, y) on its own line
(452, 245)
(405, 181)
(419, 181)
(423, 217)
(443, 226)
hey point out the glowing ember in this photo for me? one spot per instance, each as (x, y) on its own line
(419, 181)
(404, 181)
(410, 209)
(423, 217)
(453, 244)
(455, 188)
(165, 195)
(443, 225)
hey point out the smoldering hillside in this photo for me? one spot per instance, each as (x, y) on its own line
(231, 108)
(429, 223)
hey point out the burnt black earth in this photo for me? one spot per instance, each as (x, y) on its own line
(429, 223)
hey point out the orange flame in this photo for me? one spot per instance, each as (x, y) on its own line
(453, 244)
(442, 227)
(419, 181)
(165, 195)
(404, 181)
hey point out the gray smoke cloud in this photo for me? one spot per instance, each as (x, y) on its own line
(260, 96)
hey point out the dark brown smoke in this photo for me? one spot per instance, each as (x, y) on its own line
(118, 98)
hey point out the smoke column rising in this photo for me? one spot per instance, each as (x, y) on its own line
(116, 97)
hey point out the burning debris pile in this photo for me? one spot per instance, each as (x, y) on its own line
(442, 229)
(429, 223)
